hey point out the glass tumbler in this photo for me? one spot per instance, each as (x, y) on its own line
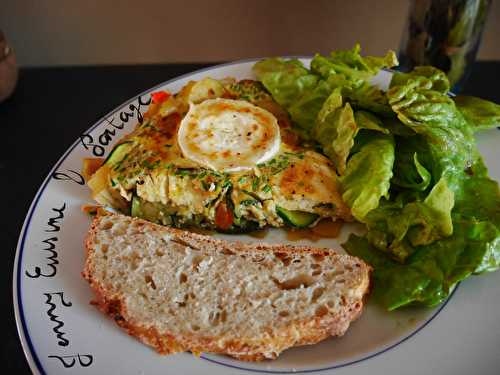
(445, 34)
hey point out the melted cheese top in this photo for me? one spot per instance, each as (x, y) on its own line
(228, 135)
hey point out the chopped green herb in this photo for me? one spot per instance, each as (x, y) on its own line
(249, 202)
(266, 188)
(299, 155)
(153, 165)
(280, 163)
(150, 165)
(253, 195)
(202, 175)
(184, 172)
(242, 179)
(255, 183)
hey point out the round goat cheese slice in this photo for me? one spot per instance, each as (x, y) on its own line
(228, 135)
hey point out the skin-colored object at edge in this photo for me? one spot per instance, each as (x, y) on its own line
(8, 69)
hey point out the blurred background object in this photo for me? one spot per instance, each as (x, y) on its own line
(60, 32)
(445, 34)
(8, 69)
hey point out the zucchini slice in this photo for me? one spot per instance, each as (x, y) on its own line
(118, 153)
(154, 212)
(298, 219)
(145, 210)
(136, 210)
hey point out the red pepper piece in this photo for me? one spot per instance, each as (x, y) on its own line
(160, 96)
(223, 216)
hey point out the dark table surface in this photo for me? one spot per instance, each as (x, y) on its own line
(50, 108)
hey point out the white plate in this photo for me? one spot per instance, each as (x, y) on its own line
(62, 333)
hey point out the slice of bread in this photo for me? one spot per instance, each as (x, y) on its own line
(180, 291)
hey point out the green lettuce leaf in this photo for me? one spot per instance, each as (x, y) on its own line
(411, 181)
(367, 176)
(337, 126)
(304, 110)
(286, 80)
(367, 120)
(352, 73)
(397, 128)
(351, 65)
(411, 169)
(479, 199)
(426, 76)
(366, 96)
(398, 227)
(335, 130)
(429, 274)
(449, 149)
(433, 115)
(479, 113)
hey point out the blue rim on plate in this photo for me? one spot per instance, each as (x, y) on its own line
(22, 328)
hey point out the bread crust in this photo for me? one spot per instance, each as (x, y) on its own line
(305, 332)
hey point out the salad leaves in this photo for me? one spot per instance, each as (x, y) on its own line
(426, 77)
(335, 130)
(408, 168)
(399, 226)
(351, 65)
(367, 175)
(480, 114)
(366, 120)
(305, 110)
(427, 277)
(286, 80)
